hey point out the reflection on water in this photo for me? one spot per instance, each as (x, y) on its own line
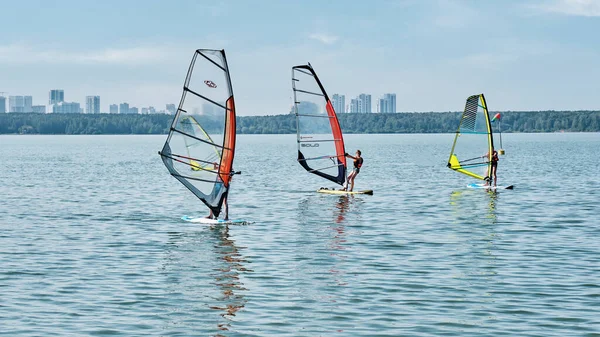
(338, 240)
(475, 260)
(493, 201)
(411, 260)
(469, 205)
(342, 207)
(325, 244)
(227, 277)
(213, 250)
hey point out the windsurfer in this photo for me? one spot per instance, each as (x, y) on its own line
(492, 175)
(358, 161)
(218, 186)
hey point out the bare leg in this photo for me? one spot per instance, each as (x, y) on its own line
(349, 180)
(210, 216)
(494, 173)
(352, 182)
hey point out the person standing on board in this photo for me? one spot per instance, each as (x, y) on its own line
(220, 185)
(494, 167)
(358, 161)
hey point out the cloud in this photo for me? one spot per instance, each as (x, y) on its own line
(24, 54)
(504, 52)
(451, 14)
(324, 38)
(588, 8)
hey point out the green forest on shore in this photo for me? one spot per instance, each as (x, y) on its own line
(423, 122)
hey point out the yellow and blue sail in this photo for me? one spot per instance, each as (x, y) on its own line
(473, 145)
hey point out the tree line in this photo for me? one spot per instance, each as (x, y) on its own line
(423, 122)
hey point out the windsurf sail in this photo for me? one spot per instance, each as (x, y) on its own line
(471, 152)
(200, 147)
(319, 136)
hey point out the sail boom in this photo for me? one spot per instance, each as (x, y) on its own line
(192, 178)
(195, 167)
(317, 158)
(324, 168)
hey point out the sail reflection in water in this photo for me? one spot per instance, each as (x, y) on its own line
(203, 271)
(474, 263)
(227, 277)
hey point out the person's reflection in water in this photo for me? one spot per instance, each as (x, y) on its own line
(227, 277)
(342, 208)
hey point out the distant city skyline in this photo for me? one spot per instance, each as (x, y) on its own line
(529, 55)
(57, 104)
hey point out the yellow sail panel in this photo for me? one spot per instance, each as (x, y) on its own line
(455, 165)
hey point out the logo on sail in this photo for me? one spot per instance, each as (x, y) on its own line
(210, 84)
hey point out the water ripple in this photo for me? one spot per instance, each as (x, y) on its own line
(91, 242)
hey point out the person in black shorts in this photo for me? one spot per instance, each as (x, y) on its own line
(358, 161)
(494, 167)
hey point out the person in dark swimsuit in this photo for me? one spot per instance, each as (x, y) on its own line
(219, 186)
(494, 167)
(358, 161)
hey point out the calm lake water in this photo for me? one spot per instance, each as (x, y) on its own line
(91, 243)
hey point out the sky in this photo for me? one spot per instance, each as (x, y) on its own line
(522, 54)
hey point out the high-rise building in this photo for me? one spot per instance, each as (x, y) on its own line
(40, 109)
(2, 104)
(20, 103)
(171, 108)
(114, 109)
(133, 110)
(15, 104)
(66, 108)
(391, 99)
(124, 108)
(364, 102)
(92, 104)
(28, 103)
(339, 103)
(151, 110)
(144, 111)
(56, 96)
(387, 104)
(354, 105)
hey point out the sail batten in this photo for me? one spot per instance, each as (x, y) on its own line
(319, 135)
(200, 147)
(473, 140)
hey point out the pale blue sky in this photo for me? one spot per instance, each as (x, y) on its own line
(524, 55)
